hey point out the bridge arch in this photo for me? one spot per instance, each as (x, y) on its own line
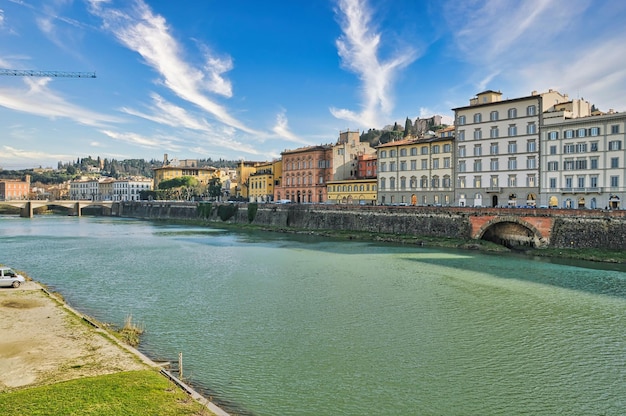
(512, 232)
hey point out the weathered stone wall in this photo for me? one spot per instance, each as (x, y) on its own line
(589, 233)
(575, 229)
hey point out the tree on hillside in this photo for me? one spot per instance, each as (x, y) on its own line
(408, 126)
(183, 187)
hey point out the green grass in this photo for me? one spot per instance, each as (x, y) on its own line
(125, 394)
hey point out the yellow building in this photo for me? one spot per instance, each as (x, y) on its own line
(353, 191)
(262, 182)
(244, 170)
(203, 175)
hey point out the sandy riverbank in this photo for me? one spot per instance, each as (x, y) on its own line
(44, 341)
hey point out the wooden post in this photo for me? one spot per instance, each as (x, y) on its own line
(180, 365)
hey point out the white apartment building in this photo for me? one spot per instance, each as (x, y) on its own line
(109, 189)
(497, 149)
(583, 158)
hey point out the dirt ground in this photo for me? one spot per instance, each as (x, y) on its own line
(42, 341)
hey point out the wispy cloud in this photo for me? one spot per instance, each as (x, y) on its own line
(39, 99)
(148, 34)
(358, 48)
(164, 142)
(281, 129)
(11, 154)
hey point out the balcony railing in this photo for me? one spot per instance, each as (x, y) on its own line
(493, 189)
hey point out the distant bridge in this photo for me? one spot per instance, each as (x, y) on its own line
(74, 207)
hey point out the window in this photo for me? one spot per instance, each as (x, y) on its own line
(493, 133)
(447, 148)
(403, 165)
(552, 183)
(615, 145)
(413, 164)
(581, 164)
(614, 181)
(383, 166)
(594, 163)
(553, 135)
(615, 129)
(568, 165)
(493, 116)
(531, 128)
(477, 182)
(531, 180)
(461, 151)
(615, 162)
(595, 131)
(461, 181)
(461, 136)
(512, 181)
(582, 132)
(531, 110)
(424, 164)
(392, 183)
(478, 150)
(512, 113)
(403, 152)
(478, 134)
(446, 181)
(478, 165)
(512, 163)
(461, 120)
(594, 146)
(593, 181)
(393, 153)
(413, 151)
(424, 150)
(383, 154)
(423, 182)
(531, 146)
(446, 162)
(553, 166)
(383, 183)
(568, 182)
(435, 163)
(435, 181)
(493, 164)
(462, 167)
(477, 118)
(512, 147)
(493, 149)
(392, 166)
(413, 182)
(512, 130)
(569, 148)
(402, 182)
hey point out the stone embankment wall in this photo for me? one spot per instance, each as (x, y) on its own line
(574, 229)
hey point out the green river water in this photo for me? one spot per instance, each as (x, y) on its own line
(273, 324)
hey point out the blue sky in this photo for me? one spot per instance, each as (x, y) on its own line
(247, 79)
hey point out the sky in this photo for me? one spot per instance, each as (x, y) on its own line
(249, 79)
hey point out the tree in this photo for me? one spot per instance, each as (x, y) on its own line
(182, 187)
(407, 127)
(215, 187)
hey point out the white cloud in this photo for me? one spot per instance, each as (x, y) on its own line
(281, 129)
(140, 30)
(19, 155)
(358, 48)
(39, 99)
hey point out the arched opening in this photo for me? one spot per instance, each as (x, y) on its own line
(553, 202)
(494, 201)
(511, 234)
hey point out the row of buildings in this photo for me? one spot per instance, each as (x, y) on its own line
(541, 150)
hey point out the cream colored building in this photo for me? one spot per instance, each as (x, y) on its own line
(346, 154)
(583, 157)
(417, 171)
(497, 148)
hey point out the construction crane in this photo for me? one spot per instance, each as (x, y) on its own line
(50, 74)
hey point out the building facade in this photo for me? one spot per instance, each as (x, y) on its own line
(306, 171)
(417, 171)
(11, 189)
(264, 180)
(497, 149)
(346, 153)
(353, 192)
(583, 158)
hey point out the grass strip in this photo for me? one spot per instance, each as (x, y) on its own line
(128, 393)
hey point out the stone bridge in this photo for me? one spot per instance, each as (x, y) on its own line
(513, 230)
(75, 207)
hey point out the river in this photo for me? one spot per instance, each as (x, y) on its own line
(275, 324)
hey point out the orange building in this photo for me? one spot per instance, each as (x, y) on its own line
(14, 189)
(305, 174)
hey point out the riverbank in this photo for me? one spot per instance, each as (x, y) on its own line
(46, 346)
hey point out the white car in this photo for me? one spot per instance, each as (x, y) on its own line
(9, 278)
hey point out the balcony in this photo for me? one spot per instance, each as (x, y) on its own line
(493, 190)
(590, 190)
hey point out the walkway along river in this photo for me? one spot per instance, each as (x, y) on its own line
(274, 324)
